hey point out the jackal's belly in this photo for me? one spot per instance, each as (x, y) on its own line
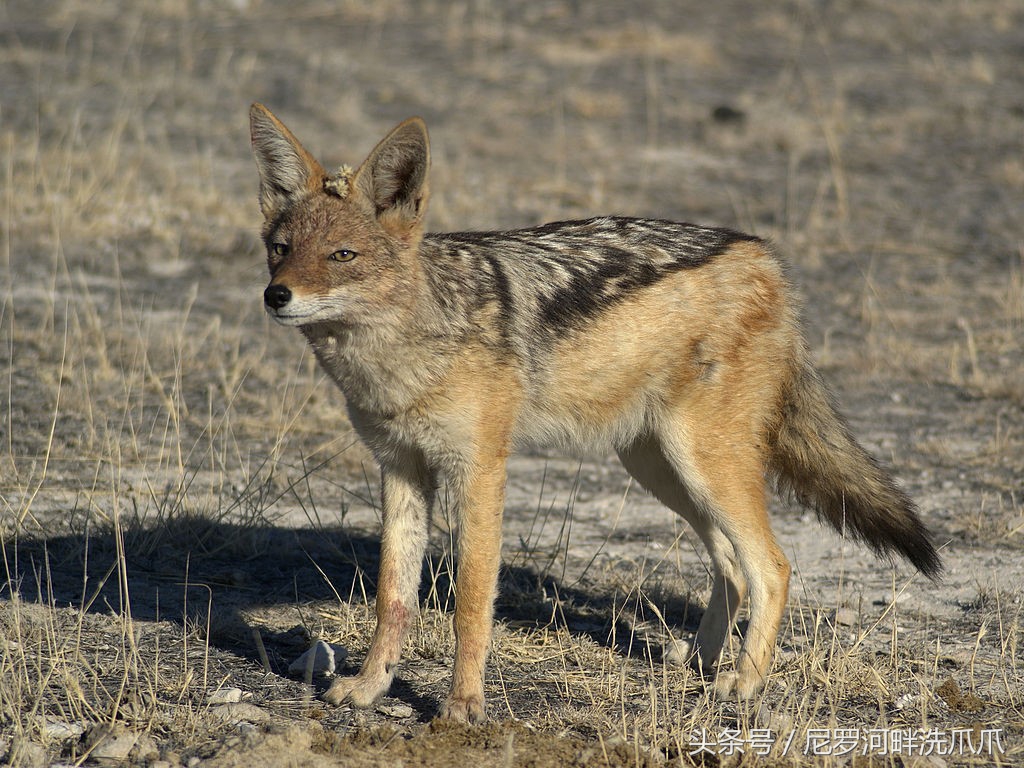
(585, 424)
(599, 394)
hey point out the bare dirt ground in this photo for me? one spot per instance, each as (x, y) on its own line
(184, 506)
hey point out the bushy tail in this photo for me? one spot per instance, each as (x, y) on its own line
(814, 455)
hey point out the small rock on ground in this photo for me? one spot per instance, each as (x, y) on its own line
(225, 696)
(240, 712)
(321, 659)
(398, 711)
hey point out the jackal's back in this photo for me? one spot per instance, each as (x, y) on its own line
(549, 282)
(607, 320)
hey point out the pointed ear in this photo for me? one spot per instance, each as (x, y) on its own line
(394, 177)
(286, 168)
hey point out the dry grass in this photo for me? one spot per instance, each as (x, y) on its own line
(175, 474)
(558, 665)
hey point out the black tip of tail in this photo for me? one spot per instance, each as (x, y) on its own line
(891, 524)
(888, 522)
(917, 548)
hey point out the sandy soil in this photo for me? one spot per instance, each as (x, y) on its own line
(183, 506)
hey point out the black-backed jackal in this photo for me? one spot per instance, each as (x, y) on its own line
(677, 345)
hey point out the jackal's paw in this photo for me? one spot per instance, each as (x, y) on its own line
(464, 709)
(738, 685)
(358, 690)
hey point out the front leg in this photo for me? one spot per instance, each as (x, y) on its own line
(408, 494)
(481, 498)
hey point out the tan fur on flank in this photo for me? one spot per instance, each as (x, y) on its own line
(678, 346)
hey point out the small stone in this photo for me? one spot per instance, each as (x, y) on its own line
(59, 730)
(397, 711)
(239, 712)
(111, 744)
(321, 659)
(906, 700)
(225, 696)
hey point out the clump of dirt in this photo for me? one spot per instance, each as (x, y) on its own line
(957, 700)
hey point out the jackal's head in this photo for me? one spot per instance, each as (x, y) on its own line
(341, 247)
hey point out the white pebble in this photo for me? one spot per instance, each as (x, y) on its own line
(225, 696)
(398, 711)
(321, 659)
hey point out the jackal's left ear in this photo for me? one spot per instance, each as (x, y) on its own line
(286, 169)
(394, 178)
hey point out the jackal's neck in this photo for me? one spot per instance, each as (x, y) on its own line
(368, 368)
(384, 367)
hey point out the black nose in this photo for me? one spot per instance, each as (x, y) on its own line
(276, 296)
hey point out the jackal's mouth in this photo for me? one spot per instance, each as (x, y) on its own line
(290, 318)
(306, 313)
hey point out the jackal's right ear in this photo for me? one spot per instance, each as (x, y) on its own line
(394, 179)
(286, 169)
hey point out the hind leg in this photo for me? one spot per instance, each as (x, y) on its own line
(767, 575)
(646, 461)
(723, 482)
(727, 592)
(728, 471)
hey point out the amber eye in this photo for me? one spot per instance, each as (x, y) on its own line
(280, 249)
(343, 255)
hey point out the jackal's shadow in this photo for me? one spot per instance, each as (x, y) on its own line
(209, 573)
